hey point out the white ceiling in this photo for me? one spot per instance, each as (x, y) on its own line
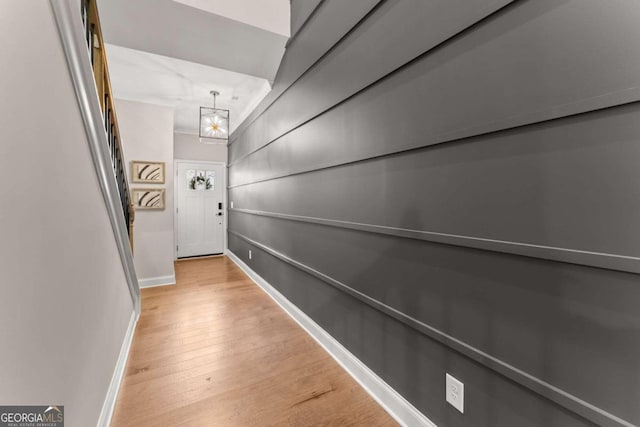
(270, 15)
(155, 79)
(173, 29)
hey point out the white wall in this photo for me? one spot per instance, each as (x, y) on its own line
(189, 147)
(147, 134)
(270, 15)
(64, 300)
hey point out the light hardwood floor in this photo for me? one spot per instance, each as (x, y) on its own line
(214, 350)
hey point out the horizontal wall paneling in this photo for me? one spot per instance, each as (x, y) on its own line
(333, 20)
(371, 51)
(458, 87)
(301, 10)
(451, 187)
(564, 177)
(591, 412)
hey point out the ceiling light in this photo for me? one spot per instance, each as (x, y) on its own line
(214, 122)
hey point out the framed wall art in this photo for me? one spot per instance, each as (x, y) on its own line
(148, 198)
(147, 172)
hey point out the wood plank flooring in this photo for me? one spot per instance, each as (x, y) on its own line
(215, 350)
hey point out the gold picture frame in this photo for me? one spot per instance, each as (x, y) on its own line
(148, 198)
(147, 172)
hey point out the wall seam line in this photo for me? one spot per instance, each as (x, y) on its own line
(304, 24)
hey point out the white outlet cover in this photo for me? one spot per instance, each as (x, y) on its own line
(249, 253)
(232, 204)
(455, 393)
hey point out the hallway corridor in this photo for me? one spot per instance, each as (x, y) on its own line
(214, 350)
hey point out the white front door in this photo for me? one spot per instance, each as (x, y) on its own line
(200, 209)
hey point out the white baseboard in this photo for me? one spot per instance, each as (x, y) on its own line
(157, 281)
(114, 387)
(396, 405)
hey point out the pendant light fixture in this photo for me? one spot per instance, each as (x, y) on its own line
(214, 122)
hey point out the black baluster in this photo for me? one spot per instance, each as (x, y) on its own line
(91, 33)
(87, 26)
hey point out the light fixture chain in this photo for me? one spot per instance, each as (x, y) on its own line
(215, 93)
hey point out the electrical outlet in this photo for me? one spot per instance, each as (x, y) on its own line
(249, 253)
(455, 393)
(232, 204)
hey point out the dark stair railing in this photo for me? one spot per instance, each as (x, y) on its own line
(95, 45)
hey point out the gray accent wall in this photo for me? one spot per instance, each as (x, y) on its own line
(452, 187)
(301, 10)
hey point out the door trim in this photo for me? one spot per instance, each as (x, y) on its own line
(225, 197)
